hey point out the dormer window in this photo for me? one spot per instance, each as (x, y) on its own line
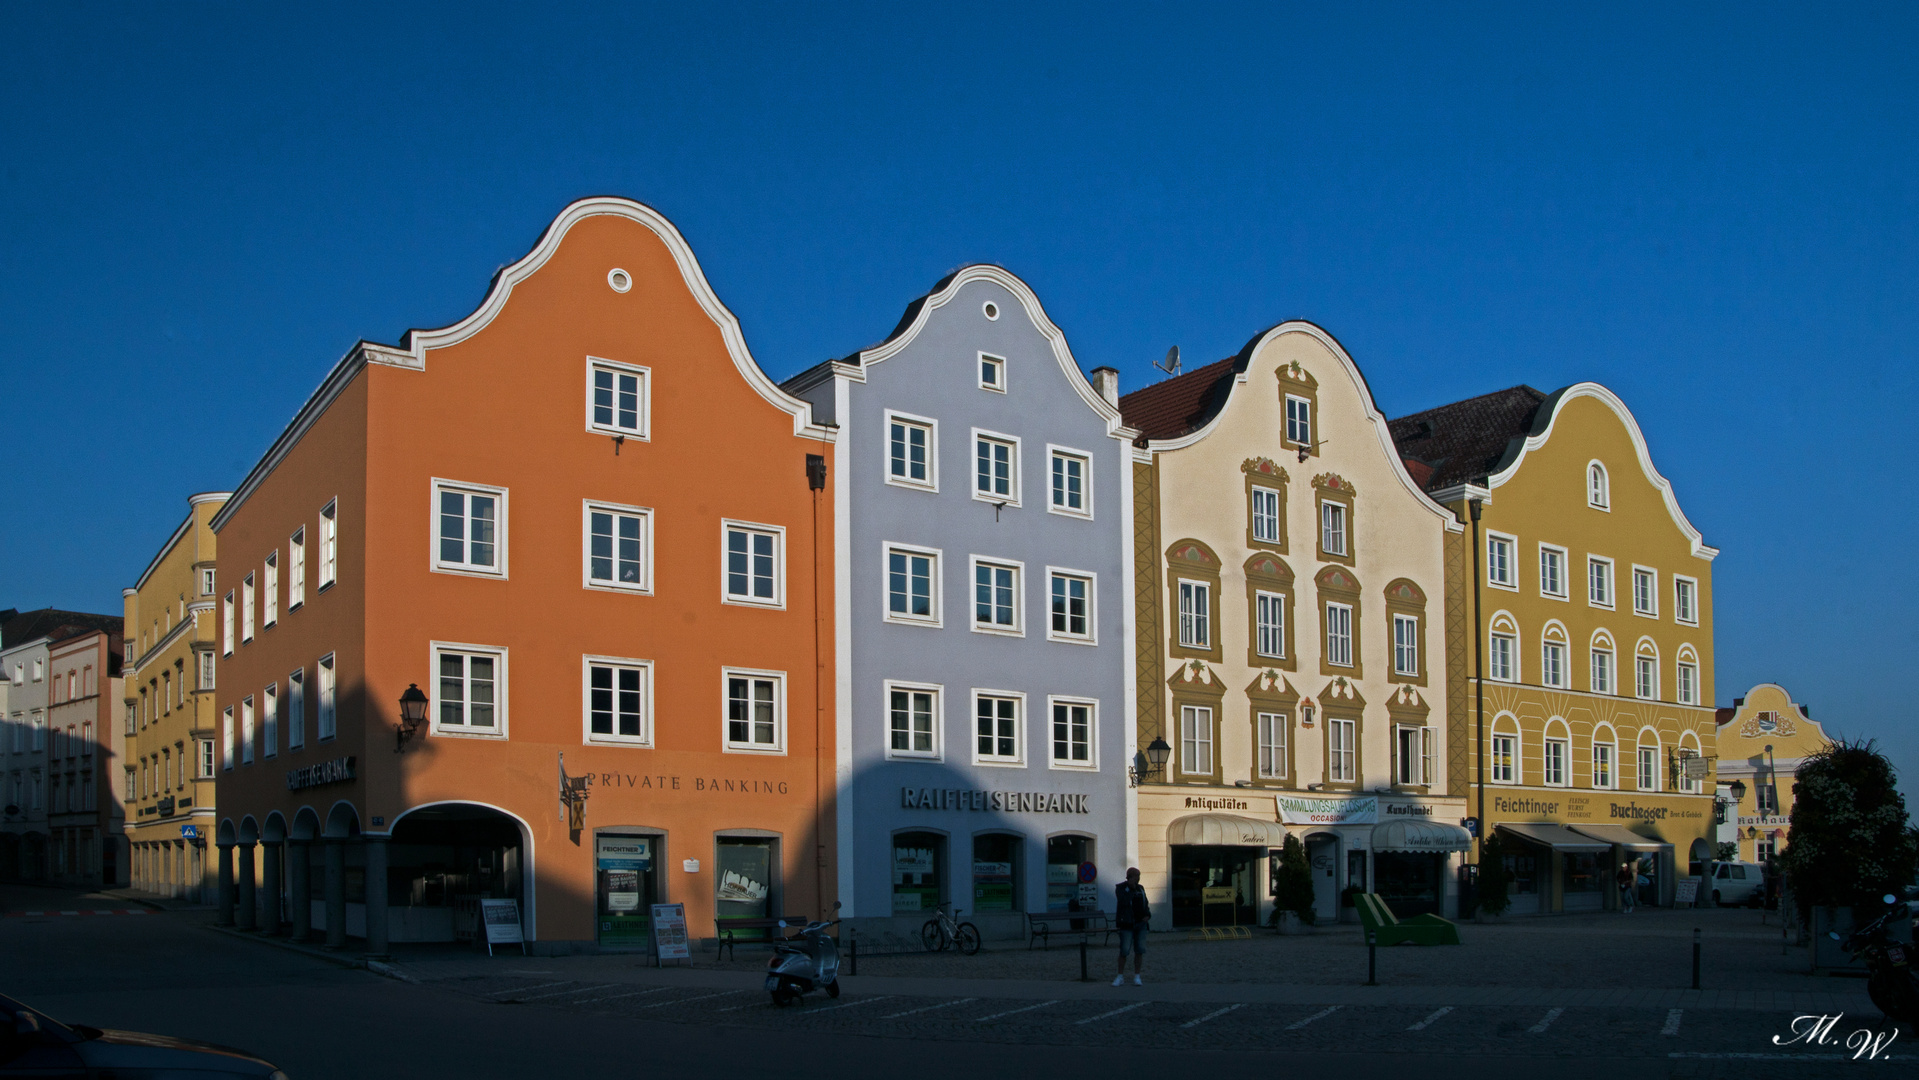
(1598, 490)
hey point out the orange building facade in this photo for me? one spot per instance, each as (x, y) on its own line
(599, 540)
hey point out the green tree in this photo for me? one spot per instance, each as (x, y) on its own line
(1293, 885)
(1850, 842)
(1490, 892)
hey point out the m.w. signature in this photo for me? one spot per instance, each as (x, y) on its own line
(1816, 1030)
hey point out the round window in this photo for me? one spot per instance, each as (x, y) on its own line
(991, 309)
(619, 279)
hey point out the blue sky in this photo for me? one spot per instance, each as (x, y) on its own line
(1708, 208)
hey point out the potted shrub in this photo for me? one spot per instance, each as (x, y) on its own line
(1490, 891)
(1293, 889)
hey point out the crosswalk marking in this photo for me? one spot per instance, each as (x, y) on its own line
(635, 993)
(1546, 1021)
(1115, 1012)
(850, 1004)
(1321, 1014)
(1672, 1022)
(683, 1001)
(1009, 1012)
(930, 1008)
(1436, 1014)
(1211, 1015)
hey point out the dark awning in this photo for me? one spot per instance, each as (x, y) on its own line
(1557, 837)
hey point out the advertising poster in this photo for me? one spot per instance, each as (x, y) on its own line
(992, 886)
(502, 921)
(916, 884)
(669, 932)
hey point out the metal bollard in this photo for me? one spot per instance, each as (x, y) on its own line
(1372, 958)
(1695, 958)
(1083, 975)
(853, 955)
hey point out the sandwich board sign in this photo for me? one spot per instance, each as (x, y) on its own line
(502, 921)
(669, 933)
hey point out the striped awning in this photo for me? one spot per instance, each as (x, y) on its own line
(1225, 830)
(1421, 836)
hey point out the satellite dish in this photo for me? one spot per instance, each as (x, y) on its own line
(1170, 365)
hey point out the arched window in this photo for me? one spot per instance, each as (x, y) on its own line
(1502, 649)
(1645, 670)
(1605, 757)
(1558, 753)
(1604, 679)
(1651, 776)
(1688, 748)
(1505, 749)
(1553, 659)
(1598, 489)
(1686, 676)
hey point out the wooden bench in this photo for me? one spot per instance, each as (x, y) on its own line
(1388, 929)
(1041, 924)
(727, 930)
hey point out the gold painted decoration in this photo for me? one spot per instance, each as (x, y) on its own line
(1264, 466)
(1769, 722)
(1333, 482)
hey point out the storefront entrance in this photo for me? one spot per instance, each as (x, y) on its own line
(626, 887)
(442, 861)
(1322, 854)
(995, 873)
(1410, 882)
(1064, 892)
(919, 862)
(1215, 886)
(1583, 878)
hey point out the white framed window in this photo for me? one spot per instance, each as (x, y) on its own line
(1339, 634)
(39, 669)
(469, 529)
(206, 758)
(1270, 762)
(1342, 751)
(1646, 677)
(1685, 600)
(1500, 571)
(327, 717)
(329, 543)
(1602, 677)
(1552, 571)
(227, 738)
(913, 720)
(270, 581)
(1505, 757)
(616, 398)
(1410, 756)
(992, 372)
(1196, 740)
(1603, 776)
(1195, 615)
(206, 671)
(1552, 664)
(912, 585)
(270, 721)
(1406, 644)
(1299, 421)
(469, 690)
(618, 542)
(618, 696)
(1649, 778)
(1645, 591)
(997, 717)
(226, 624)
(995, 467)
(1075, 724)
(1598, 487)
(1071, 488)
(296, 709)
(1332, 527)
(996, 597)
(1688, 680)
(1071, 594)
(1501, 663)
(1265, 514)
(1558, 752)
(755, 564)
(246, 609)
(912, 451)
(207, 580)
(246, 730)
(755, 711)
(1599, 581)
(1269, 624)
(297, 569)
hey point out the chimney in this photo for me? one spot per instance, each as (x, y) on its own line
(1106, 381)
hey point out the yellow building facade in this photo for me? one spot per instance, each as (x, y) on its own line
(1579, 640)
(172, 629)
(1762, 740)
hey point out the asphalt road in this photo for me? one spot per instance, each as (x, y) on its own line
(168, 973)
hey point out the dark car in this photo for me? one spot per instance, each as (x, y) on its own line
(35, 1044)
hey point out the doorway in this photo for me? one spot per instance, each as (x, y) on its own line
(626, 886)
(1322, 854)
(1215, 886)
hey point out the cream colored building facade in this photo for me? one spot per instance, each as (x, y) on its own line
(1761, 742)
(1289, 586)
(172, 628)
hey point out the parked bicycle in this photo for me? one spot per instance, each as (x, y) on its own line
(943, 931)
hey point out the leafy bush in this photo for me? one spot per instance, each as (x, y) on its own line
(1293, 885)
(1490, 892)
(1850, 841)
(1726, 852)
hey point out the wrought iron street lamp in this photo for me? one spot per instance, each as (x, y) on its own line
(1151, 762)
(412, 714)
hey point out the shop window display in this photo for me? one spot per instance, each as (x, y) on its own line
(745, 885)
(918, 859)
(1214, 886)
(627, 888)
(1410, 882)
(995, 858)
(1064, 891)
(1585, 878)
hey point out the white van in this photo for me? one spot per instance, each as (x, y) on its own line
(1738, 883)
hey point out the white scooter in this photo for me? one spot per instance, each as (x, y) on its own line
(809, 961)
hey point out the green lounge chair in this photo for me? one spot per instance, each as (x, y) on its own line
(1388, 929)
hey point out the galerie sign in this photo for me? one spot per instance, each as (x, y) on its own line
(1364, 811)
(1010, 802)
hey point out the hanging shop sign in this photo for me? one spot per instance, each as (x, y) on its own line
(1361, 811)
(337, 771)
(1008, 802)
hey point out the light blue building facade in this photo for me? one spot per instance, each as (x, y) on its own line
(984, 653)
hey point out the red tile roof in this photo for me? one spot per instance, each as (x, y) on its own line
(1172, 407)
(1462, 443)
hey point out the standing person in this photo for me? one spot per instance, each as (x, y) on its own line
(1628, 878)
(1131, 913)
